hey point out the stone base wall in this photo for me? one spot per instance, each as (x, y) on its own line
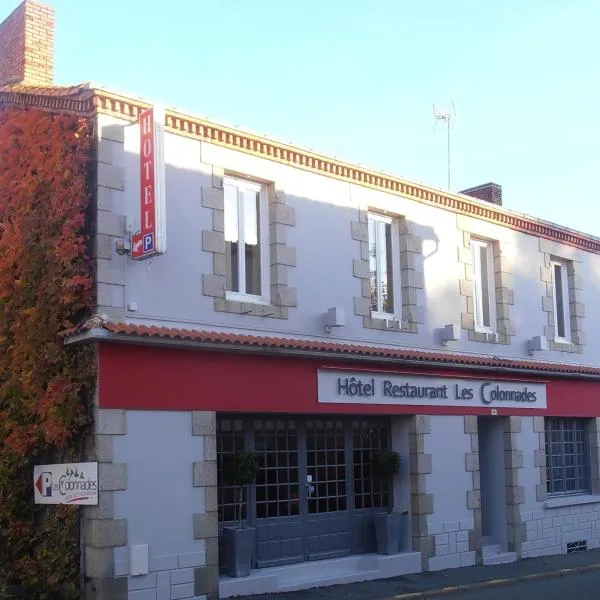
(452, 545)
(548, 531)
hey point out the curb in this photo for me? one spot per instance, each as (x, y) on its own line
(480, 585)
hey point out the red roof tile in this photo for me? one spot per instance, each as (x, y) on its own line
(130, 330)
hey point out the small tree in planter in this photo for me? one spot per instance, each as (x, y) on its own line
(388, 526)
(241, 469)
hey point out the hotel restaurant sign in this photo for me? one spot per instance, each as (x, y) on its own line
(346, 387)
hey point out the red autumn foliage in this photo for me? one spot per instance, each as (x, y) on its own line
(46, 286)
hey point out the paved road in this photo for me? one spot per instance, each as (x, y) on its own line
(570, 585)
(582, 586)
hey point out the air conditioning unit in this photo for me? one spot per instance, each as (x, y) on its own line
(450, 333)
(539, 343)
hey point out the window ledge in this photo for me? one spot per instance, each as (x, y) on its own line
(385, 317)
(571, 500)
(246, 298)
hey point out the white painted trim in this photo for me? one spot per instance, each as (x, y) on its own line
(477, 287)
(574, 500)
(395, 267)
(263, 242)
(565, 293)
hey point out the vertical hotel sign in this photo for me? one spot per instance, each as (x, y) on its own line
(151, 239)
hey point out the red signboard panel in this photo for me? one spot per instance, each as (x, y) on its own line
(150, 239)
(153, 378)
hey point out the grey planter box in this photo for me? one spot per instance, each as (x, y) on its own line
(389, 529)
(239, 550)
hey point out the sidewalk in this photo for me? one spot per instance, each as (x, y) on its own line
(441, 583)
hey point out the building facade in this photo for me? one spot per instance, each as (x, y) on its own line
(317, 312)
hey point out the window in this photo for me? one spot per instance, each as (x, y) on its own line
(245, 241)
(560, 289)
(484, 296)
(383, 269)
(567, 456)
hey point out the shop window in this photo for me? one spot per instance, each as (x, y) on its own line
(369, 437)
(326, 478)
(277, 490)
(567, 456)
(560, 289)
(246, 250)
(484, 296)
(230, 439)
(384, 268)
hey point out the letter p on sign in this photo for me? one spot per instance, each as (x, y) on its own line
(44, 484)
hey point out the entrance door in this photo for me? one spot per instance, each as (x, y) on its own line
(493, 481)
(314, 495)
(328, 527)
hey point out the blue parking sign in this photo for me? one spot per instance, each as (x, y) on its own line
(148, 242)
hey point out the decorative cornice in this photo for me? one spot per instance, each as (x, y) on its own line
(124, 107)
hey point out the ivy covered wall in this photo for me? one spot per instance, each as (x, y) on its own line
(46, 286)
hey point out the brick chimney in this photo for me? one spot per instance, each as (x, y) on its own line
(27, 45)
(490, 192)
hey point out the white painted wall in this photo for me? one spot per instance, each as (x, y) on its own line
(449, 483)
(169, 288)
(447, 443)
(160, 500)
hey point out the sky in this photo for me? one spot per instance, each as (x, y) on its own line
(357, 79)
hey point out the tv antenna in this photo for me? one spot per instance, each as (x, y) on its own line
(448, 116)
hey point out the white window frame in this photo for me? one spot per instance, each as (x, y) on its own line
(395, 274)
(476, 245)
(263, 216)
(566, 339)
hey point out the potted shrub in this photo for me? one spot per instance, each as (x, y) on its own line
(240, 470)
(388, 525)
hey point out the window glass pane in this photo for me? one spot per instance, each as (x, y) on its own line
(560, 306)
(567, 460)
(252, 241)
(370, 436)
(485, 286)
(381, 266)
(230, 439)
(387, 279)
(277, 485)
(231, 238)
(373, 264)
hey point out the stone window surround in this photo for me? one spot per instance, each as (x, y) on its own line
(541, 489)
(515, 493)
(206, 579)
(411, 275)
(553, 251)
(505, 327)
(282, 255)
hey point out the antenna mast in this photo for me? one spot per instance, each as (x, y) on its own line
(448, 117)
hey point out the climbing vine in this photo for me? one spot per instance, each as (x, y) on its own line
(45, 288)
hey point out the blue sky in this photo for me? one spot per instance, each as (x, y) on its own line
(357, 79)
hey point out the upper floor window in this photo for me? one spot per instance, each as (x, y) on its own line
(484, 295)
(246, 229)
(560, 289)
(383, 267)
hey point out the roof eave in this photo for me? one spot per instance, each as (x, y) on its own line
(103, 335)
